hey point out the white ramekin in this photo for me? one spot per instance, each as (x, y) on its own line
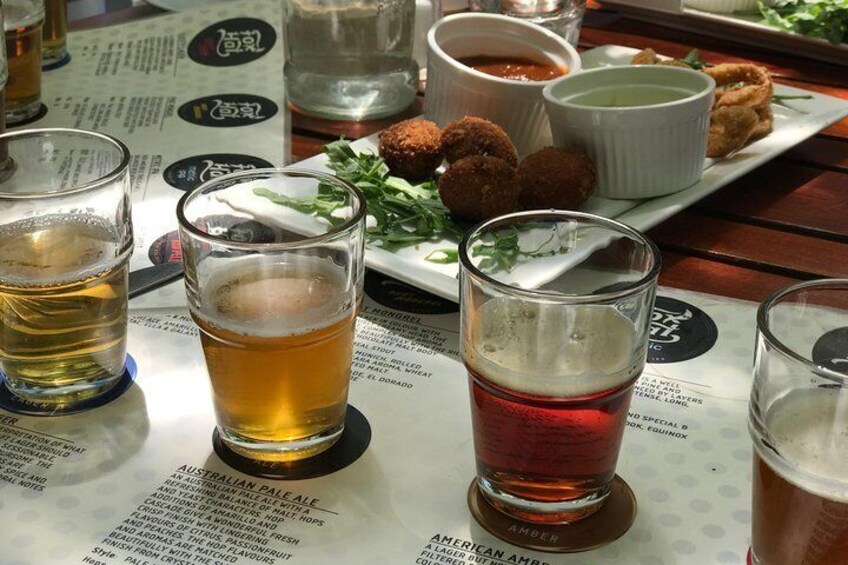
(641, 151)
(722, 6)
(455, 91)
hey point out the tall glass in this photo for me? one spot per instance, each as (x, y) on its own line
(556, 312)
(799, 425)
(65, 244)
(54, 44)
(350, 60)
(23, 20)
(275, 290)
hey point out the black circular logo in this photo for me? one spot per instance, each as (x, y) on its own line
(191, 172)
(165, 249)
(679, 332)
(831, 350)
(227, 110)
(232, 42)
(401, 296)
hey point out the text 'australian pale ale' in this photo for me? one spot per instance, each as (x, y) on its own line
(63, 305)
(278, 341)
(550, 388)
(800, 502)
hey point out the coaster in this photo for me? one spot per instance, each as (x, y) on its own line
(604, 526)
(58, 64)
(354, 441)
(12, 403)
(42, 111)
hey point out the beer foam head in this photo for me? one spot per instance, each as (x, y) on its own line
(263, 298)
(56, 249)
(552, 349)
(810, 429)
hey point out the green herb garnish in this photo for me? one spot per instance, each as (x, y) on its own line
(693, 59)
(405, 214)
(503, 251)
(823, 19)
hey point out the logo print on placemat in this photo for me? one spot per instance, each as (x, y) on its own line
(191, 172)
(401, 296)
(831, 350)
(165, 249)
(232, 42)
(679, 332)
(227, 110)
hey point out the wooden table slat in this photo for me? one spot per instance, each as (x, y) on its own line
(820, 151)
(787, 196)
(713, 277)
(756, 247)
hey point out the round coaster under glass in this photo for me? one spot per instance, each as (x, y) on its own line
(12, 403)
(57, 64)
(42, 111)
(601, 528)
(351, 445)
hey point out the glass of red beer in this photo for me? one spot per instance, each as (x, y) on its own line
(798, 419)
(556, 311)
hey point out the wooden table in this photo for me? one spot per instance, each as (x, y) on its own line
(784, 222)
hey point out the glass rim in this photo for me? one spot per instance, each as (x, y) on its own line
(633, 288)
(109, 177)
(765, 332)
(348, 226)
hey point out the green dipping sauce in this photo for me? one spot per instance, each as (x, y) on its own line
(629, 96)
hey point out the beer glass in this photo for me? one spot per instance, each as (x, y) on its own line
(798, 419)
(555, 316)
(54, 48)
(65, 244)
(23, 23)
(273, 274)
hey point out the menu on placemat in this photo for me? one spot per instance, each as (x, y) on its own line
(137, 481)
(194, 95)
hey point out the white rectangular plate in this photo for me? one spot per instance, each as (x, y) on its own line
(737, 27)
(791, 127)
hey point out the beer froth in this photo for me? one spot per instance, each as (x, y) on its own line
(553, 350)
(796, 423)
(56, 249)
(263, 298)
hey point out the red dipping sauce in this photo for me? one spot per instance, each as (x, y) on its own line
(513, 68)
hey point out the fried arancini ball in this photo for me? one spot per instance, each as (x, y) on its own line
(476, 136)
(556, 178)
(479, 187)
(412, 149)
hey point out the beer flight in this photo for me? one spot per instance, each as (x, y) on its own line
(553, 347)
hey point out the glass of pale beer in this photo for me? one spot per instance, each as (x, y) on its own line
(275, 282)
(555, 318)
(798, 419)
(65, 243)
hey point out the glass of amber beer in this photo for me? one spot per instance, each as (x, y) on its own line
(274, 269)
(54, 43)
(23, 21)
(65, 243)
(556, 310)
(798, 418)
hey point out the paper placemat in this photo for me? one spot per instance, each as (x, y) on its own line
(137, 481)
